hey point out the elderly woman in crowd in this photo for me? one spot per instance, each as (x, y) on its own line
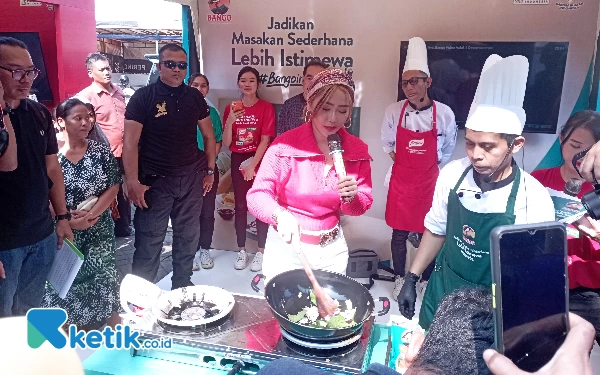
(92, 179)
(298, 190)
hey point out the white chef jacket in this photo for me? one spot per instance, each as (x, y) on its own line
(421, 121)
(533, 203)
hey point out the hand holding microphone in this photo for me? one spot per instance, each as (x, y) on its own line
(347, 185)
(587, 225)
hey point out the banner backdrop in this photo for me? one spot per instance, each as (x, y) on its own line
(279, 36)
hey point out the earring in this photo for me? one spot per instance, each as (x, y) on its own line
(307, 116)
(348, 125)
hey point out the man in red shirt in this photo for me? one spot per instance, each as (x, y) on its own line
(109, 103)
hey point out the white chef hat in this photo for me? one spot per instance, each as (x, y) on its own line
(416, 56)
(498, 103)
(490, 61)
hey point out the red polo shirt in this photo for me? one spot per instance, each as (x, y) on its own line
(110, 113)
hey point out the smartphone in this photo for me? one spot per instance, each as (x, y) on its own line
(237, 105)
(530, 291)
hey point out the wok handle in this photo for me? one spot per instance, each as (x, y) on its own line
(255, 281)
(386, 306)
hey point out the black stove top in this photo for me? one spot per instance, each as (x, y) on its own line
(251, 334)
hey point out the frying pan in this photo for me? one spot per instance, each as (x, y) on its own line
(288, 293)
(146, 295)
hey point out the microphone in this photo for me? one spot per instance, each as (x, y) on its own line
(573, 187)
(335, 148)
(487, 179)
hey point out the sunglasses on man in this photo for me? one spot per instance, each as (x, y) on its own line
(172, 64)
(19, 74)
(413, 81)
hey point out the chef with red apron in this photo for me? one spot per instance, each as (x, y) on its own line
(418, 134)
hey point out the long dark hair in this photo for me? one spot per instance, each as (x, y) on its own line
(196, 75)
(64, 109)
(586, 119)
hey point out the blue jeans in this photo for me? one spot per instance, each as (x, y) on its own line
(27, 269)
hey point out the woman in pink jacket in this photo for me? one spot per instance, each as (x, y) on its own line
(297, 189)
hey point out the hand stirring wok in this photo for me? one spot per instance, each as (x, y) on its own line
(325, 303)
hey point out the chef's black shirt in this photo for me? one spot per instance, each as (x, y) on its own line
(169, 116)
(24, 193)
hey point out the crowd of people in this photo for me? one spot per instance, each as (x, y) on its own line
(73, 173)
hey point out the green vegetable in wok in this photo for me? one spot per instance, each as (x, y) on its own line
(309, 316)
(296, 318)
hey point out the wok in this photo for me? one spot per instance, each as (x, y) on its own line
(288, 293)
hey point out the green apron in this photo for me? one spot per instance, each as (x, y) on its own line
(465, 257)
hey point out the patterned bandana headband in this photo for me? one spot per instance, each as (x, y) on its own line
(330, 77)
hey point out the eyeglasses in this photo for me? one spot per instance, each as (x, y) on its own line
(172, 64)
(19, 74)
(413, 81)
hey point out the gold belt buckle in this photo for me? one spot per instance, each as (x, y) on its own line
(329, 237)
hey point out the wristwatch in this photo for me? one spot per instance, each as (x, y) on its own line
(66, 216)
(209, 171)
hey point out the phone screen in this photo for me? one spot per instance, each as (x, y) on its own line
(534, 295)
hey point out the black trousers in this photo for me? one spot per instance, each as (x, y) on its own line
(207, 215)
(586, 303)
(123, 223)
(240, 189)
(399, 251)
(179, 198)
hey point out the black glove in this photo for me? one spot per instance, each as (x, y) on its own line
(408, 295)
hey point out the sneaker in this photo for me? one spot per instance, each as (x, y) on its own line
(242, 260)
(421, 287)
(397, 286)
(197, 262)
(205, 259)
(256, 264)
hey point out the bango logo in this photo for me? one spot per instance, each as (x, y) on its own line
(218, 9)
(45, 325)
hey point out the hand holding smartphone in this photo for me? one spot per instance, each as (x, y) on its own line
(237, 106)
(530, 288)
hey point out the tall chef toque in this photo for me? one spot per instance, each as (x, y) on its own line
(416, 56)
(498, 103)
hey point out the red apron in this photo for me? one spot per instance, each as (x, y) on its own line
(414, 174)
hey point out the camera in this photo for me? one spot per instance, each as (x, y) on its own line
(590, 200)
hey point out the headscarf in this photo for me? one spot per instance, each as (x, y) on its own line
(330, 77)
